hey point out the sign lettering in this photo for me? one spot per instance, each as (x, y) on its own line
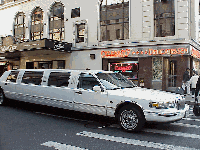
(123, 68)
(118, 53)
(9, 48)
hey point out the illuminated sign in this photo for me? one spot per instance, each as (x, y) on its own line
(172, 51)
(118, 53)
(195, 53)
(123, 68)
(142, 52)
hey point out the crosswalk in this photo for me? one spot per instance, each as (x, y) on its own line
(190, 122)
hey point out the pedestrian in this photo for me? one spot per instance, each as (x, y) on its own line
(197, 89)
(186, 83)
(193, 82)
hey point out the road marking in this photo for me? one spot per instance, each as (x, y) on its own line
(60, 146)
(195, 136)
(191, 119)
(185, 125)
(132, 141)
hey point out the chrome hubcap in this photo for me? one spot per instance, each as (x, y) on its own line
(129, 119)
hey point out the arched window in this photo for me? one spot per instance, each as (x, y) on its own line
(19, 27)
(37, 24)
(56, 22)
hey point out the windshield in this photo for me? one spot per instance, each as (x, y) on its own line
(114, 81)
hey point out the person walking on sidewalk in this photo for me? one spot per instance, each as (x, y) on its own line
(197, 89)
(193, 82)
(186, 83)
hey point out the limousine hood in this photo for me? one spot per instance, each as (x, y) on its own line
(146, 94)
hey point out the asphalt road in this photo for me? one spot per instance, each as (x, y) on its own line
(34, 127)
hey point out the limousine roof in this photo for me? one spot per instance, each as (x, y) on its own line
(67, 70)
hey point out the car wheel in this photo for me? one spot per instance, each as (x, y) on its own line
(131, 118)
(2, 97)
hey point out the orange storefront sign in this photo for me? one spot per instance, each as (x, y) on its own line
(195, 53)
(144, 52)
(118, 53)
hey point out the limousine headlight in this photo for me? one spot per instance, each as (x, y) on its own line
(162, 105)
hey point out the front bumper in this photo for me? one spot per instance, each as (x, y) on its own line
(166, 115)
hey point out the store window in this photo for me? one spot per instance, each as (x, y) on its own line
(32, 77)
(87, 81)
(12, 76)
(45, 65)
(164, 18)
(80, 32)
(114, 17)
(127, 68)
(19, 27)
(59, 79)
(157, 68)
(56, 22)
(37, 24)
(61, 64)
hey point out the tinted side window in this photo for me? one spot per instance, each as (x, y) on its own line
(12, 76)
(59, 79)
(33, 77)
(87, 81)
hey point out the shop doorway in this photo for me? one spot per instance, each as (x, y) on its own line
(29, 65)
(172, 77)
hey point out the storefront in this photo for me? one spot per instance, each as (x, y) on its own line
(47, 54)
(157, 67)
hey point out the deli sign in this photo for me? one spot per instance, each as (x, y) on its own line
(143, 52)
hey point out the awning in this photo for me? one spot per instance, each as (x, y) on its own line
(37, 44)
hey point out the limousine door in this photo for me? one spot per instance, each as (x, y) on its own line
(10, 85)
(87, 100)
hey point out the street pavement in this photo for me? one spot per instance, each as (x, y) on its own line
(34, 127)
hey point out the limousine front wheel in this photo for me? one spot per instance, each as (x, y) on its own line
(2, 97)
(130, 118)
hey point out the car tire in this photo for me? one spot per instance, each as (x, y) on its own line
(2, 97)
(130, 118)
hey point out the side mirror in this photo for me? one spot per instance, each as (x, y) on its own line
(97, 88)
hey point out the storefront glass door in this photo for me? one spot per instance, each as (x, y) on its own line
(172, 77)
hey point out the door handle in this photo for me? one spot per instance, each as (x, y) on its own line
(6, 83)
(79, 92)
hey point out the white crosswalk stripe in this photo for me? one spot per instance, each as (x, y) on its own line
(60, 146)
(132, 141)
(173, 133)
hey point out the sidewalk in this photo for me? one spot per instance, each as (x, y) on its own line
(191, 101)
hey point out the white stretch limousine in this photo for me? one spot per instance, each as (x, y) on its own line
(93, 91)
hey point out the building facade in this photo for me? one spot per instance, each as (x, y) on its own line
(152, 42)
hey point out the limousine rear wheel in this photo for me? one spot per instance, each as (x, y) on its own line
(131, 118)
(2, 97)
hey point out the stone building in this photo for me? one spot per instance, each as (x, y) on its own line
(152, 42)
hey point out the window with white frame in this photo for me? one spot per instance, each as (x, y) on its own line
(114, 19)
(164, 18)
(19, 27)
(56, 22)
(37, 24)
